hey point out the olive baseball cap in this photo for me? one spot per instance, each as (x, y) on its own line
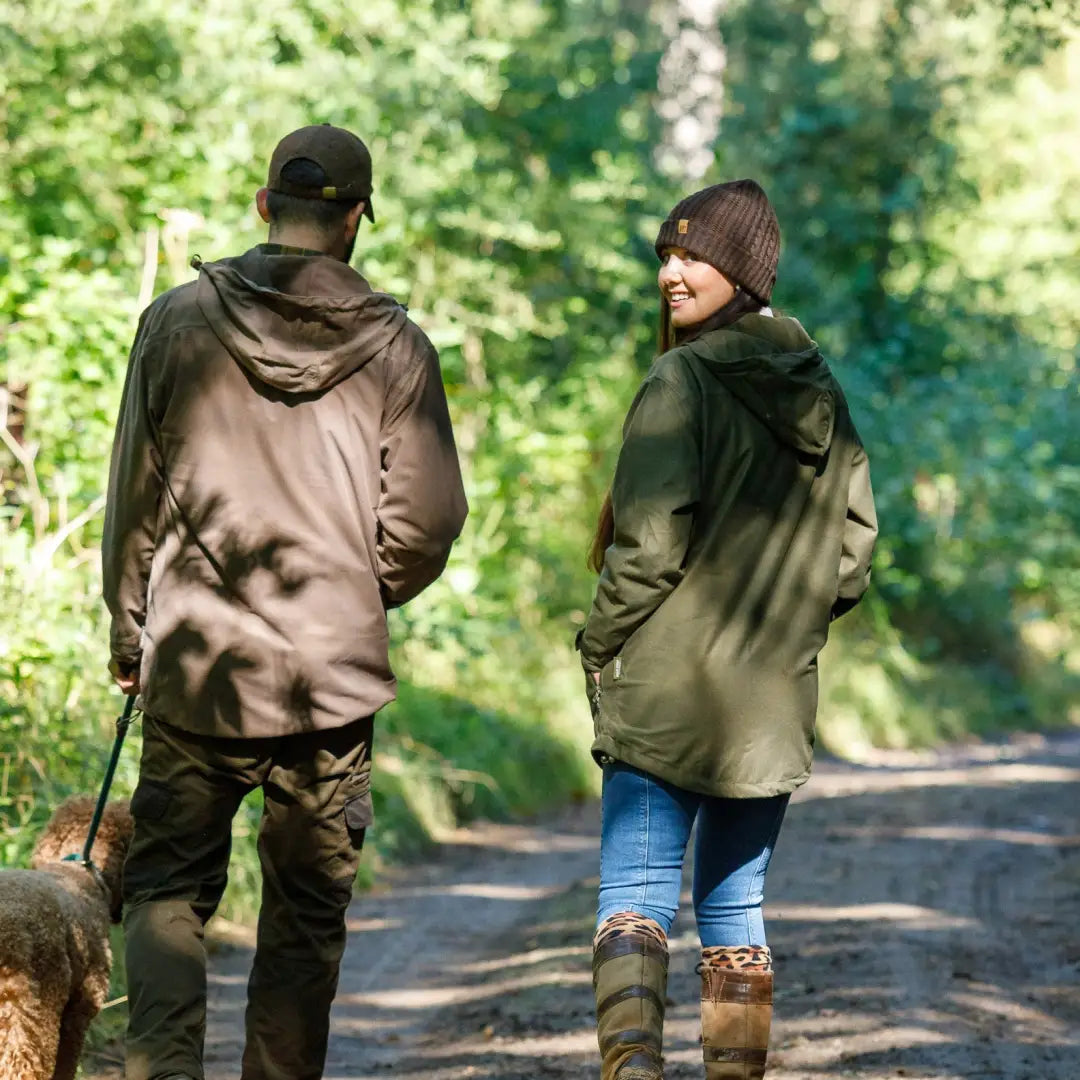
(339, 153)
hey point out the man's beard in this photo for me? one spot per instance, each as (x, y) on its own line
(349, 246)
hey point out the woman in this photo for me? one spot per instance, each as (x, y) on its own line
(740, 523)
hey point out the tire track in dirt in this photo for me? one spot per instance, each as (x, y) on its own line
(924, 913)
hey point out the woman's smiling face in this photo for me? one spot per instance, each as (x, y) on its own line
(692, 288)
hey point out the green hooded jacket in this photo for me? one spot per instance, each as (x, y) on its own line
(744, 523)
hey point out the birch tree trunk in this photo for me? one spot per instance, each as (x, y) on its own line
(691, 87)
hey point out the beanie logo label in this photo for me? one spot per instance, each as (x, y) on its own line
(684, 225)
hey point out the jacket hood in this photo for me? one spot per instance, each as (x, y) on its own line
(300, 323)
(777, 371)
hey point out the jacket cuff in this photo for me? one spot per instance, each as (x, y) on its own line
(126, 653)
(587, 662)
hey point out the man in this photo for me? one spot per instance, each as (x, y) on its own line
(283, 472)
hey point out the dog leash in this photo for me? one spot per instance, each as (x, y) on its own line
(123, 722)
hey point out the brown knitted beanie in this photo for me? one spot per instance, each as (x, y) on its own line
(732, 227)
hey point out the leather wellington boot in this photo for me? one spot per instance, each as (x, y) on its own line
(736, 1011)
(630, 962)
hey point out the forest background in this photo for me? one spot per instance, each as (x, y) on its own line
(924, 159)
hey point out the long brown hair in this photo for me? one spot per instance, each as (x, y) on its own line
(742, 303)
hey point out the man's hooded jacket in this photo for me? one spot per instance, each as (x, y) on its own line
(283, 472)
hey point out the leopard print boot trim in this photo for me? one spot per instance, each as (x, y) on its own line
(741, 958)
(629, 922)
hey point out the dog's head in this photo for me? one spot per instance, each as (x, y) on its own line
(66, 834)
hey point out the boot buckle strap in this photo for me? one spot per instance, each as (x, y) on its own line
(628, 946)
(736, 988)
(628, 993)
(734, 1055)
(634, 1036)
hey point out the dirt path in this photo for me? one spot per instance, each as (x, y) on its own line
(924, 913)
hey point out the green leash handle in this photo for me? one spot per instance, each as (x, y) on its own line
(123, 722)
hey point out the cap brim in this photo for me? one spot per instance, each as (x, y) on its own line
(369, 210)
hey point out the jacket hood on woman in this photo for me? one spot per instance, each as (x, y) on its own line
(777, 371)
(744, 523)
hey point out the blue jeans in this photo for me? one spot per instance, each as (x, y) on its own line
(646, 827)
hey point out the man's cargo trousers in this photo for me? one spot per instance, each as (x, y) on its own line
(317, 806)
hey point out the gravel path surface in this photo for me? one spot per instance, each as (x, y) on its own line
(924, 912)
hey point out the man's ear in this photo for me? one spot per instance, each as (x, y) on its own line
(260, 204)
(352, 219)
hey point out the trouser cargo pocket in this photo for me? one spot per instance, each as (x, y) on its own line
(359, 811)
(150, 800)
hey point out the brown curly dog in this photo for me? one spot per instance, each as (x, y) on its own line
(54, 941)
